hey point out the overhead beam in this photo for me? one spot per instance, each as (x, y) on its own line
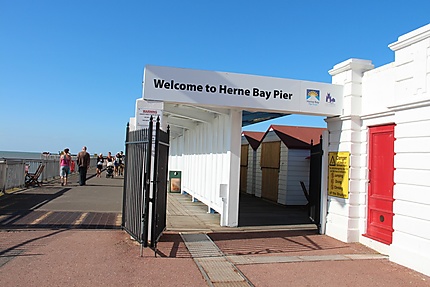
(210, 109)
(189, 113)
(180, 122)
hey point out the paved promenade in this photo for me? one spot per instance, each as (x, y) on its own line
(71, 236)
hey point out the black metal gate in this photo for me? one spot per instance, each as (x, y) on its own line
(159, 181)
(145, 184)
(315, 183)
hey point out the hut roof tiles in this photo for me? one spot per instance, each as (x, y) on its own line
(254, 138)
(292, 136)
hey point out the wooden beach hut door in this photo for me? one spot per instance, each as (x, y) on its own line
(381, 183)
(243, 167)
(270, 158)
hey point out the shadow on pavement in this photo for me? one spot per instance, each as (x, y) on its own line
(16, 206)
(13, 251)
(283, 241)
(255, 211)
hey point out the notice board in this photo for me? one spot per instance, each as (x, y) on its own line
(338, 174)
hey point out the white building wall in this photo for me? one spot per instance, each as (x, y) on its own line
(411, 237)
(411, 207)
(395, 93)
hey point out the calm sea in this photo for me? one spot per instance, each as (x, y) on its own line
(20, 154)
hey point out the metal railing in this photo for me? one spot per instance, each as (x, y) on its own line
(12, 170)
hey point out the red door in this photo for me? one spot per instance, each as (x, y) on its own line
(381, 182)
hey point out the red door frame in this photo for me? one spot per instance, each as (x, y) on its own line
(381, 183)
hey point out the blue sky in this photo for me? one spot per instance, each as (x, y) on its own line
(71, 71)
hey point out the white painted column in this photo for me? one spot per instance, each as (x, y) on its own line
(233, 142)
(344, 215)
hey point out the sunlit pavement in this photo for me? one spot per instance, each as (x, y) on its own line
(54, 235)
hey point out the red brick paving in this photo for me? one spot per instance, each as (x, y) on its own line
(110, 258)
(94, 258)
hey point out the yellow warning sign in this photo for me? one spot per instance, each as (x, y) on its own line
(338, 174)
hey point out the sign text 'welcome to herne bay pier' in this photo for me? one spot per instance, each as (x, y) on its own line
(232, 90)
(222, 89)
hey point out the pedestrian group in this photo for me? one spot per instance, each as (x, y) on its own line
(67, 165)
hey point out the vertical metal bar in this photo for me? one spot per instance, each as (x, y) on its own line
(167, 170)
(124, 190)
(155, 184)
(318, 202)
(147, 172)
(139, 173)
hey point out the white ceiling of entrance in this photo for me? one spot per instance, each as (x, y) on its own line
(181, 117)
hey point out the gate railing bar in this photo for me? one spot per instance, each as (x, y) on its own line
(124, 189)
(155, 187)
(146, 186)
(159, 185)
(167, 144)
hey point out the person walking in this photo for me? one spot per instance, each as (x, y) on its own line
(65, 161)
(99, 165)
(121, 163)
(83, 165)
(117, 163)
(109, 158)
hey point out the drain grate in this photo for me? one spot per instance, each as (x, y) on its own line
(214, 266)
(199, 245)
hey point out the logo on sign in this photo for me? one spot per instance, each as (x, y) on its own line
(313, 97)
(329, 99)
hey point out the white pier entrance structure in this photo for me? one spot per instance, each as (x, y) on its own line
(375, 171)
(204, 112)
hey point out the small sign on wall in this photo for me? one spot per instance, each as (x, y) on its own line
(338, 174)
(147, 109)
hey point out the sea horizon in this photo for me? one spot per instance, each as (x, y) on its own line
(21, 154)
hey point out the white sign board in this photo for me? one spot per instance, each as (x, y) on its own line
(252, 92)
(144, 111)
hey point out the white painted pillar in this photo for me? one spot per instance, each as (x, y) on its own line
(233, 142)
(344, 215)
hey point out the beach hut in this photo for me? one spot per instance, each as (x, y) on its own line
(277, 161)
(248, 160)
